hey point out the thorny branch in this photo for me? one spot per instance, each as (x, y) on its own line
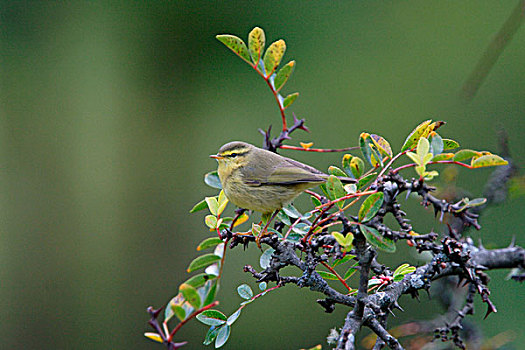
(453, 255)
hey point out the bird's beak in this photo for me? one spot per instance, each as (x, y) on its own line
(216, 156)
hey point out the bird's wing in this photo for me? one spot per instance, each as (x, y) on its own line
(290, 175)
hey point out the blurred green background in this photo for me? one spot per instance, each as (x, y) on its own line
(110, 110)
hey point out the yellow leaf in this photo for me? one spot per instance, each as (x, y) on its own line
(306, 145)
(488, 160)
(153, 336)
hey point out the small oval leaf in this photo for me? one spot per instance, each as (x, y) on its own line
(211, 242)
(377, 240)
(288, 100)
(443, 156)
(233, 317)
(327, 275)
(198, 280)
(449, 144)
(465, 154)
(413, 138)
(333, 170)
(153, 336)
(256, 42)
(213, 205)
(212, 317)
(245, 291)
(199, 206)
(273, 55)
(488, 160)
(191, 295)
(202, 261)
(212, 179)
(364, 180)
(382, 145)
(236, 45)
(283, 74)
(370, 206)
(222, 336)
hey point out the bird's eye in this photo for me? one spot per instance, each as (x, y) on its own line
(234, 155)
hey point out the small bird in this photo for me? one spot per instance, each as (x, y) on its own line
(263, 181)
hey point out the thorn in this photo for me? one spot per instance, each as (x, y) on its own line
(397, 306)
(392, 313)
(513, 242)
(409, 191)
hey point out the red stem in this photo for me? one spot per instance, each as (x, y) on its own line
(406, 166)
(195, 313)
(321, 150)
(275, 94)
(336, 275)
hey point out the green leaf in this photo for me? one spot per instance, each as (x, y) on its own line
(291, 211)
(443, 156)
(370, 206)
(350, 272)
(327, 275)
(423, 146)
(245, 291)
(333, 170)
(413, 138)
(211, 221)
(211, 335)
(233, 317)
(364, 180)
(212, 317)
(273, 55)
(263, 285)
(285, 219)
(413, 156)
(316, 202)
(174, 307)
(350, 188)
(465, 154)
(211, 242)
(199, 206)
(369, 150)
(213, 288)
(222, 336)
(488, 160)
(382, 145)
(153, 336)
(213, 205)
(449, 144)
(377, 240)
(256, 42)
(345, 162)
(436, 144)
(198, 280)
(357, 167)
(301, 228)
(345, 259)
(282, 76)
(288, 100)
(266, 256)
(191, 295)
(476, 202)
(403, 270)
(212, 179)
(236, 45)
(203, 261)
(335, 189)
(339, 238)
